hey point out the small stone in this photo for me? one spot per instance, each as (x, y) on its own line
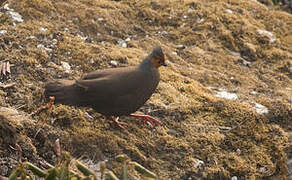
(128, 39)
(200, 20)
(229, 11)
(122, 43)
(54, 41)
(198, 163)
(16, 17)
(185, 17)
(234, 178)
(66, 66)
(3, 32)
(183, 25)
(238, 152)
(43, 29)
(100, 19)
(226, 95)
(40, 46)
(268, 34)
(180, 46)
(89, 117)
(5, 7)
(114, 63)
(253, 92)
(174, 53)
(260, 108)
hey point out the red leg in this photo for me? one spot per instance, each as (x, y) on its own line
(116, 121)
(146, 118)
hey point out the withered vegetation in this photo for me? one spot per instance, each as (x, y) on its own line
(207, 44)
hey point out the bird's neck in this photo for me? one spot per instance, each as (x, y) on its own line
(146, 64)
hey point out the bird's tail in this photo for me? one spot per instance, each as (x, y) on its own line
(64, 91)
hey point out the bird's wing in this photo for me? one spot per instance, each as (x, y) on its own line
(113, 82)
(106, 72)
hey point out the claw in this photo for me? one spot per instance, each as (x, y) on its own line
(116, 121)
(146, 118)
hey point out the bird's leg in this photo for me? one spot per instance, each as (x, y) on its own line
(116, 121)
(146, 118)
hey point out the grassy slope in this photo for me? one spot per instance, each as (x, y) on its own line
(190, 112)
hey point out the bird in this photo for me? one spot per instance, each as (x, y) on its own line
(113, 92)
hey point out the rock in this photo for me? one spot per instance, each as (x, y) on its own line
(180, 46)
(253, 92)
(200, 20)
(197, 163)
(43, 29)
(260, 108)
(268, 34)
(229, 11)
(66, 66)
(15, 16)
(226, 95)
(122, 43)
(114, 63)
(3, 32)
(174, 53)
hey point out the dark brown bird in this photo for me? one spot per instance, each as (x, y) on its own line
(112, 92)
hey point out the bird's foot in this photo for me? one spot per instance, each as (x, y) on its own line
(115, 120)
(146, 118)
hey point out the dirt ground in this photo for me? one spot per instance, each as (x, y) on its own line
(238, 48)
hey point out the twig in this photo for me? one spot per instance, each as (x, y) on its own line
(235, 127)
(58, 147)
(4, 86)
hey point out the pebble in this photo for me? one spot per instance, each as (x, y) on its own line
(5, 7)
(267, 33)
(89, 117)
(66, 66)
(200, 20)
(43, 29)
(122, 43)
(114, 63)
(234, 178)
(260, 109)
(174, 53)
(226, 95)
(253, 92)
(229, 11)
(3, 31)
(15, 16)
(180, 46)
(198, 163)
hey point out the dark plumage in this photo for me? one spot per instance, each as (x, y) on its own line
(111, 92)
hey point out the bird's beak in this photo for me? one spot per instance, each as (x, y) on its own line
(164, 64)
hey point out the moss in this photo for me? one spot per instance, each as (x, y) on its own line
(193, 117)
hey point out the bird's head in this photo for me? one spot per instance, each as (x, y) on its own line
(157, 57)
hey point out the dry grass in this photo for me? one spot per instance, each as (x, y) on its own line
(192, 116)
